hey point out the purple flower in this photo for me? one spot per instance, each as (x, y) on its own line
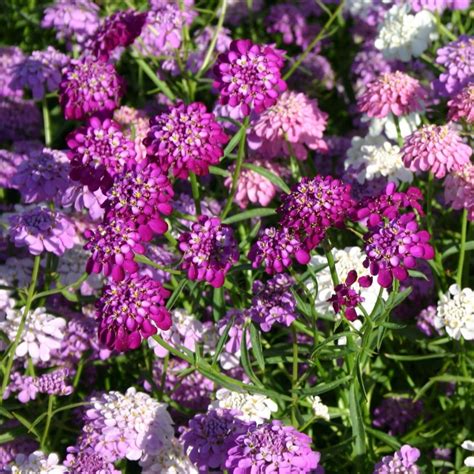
(83, 199)
(19, 119)
(209, 250)
(439, 5)
(315, 71)
(461, 106)
(273, 302)
(87, 460)
(118, 30)
(236, 331)
(41, 229)
(40, 72)
(130, 311)
(459, 189)
(347, 298)
(11, 162)
(425, 322)
(161, 255)
(276, 248)
(89, 86)
(396, 414)
(98, 152)
(114, 245)
(458, 60)
(209, 436)
(43, 176)
(20, 445)
(249, 76)
(272, 447)
(186, 139)
(10, 56)
(402, 461)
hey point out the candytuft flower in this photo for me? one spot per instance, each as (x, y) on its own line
(402, 460)
(459, 189)
(346, 298)
(395, 414)
(37, 462)
(461, 106)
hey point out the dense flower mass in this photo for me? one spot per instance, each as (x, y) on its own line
(186, 139)
(461, 106)
(438, 149)
(10, 58)
(459, 189)
(402, 461)
(209, 250)
(130, 311)
(395, 414)
(89, 86)
(249, 76)
(37, 462)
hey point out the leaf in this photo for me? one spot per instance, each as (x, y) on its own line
(455, 249)
(416, 358)
(219, 171)
(327, 387)
(234, 141)
(257, 346)
(386, 438)
(245, 359)
(357, 423)
(242, 216)
(417, 274)
(27, 424)
(222, 340)
(272, 177)
(158, 82)
(174, 297)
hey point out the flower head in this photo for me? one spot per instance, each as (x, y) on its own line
(402, 461)
(88, 87)
(209, 250)
(469, 445)
(10, 57)
(37, 462)
(87, 460)
(425, 321)
(186, 139)
(396, 414)
(19, 119)
(435, 148)
(292, 125)
(346, 298)
(439, 5)
(461, 106)
(459, 189)
(249, 76)
(320, 410)
(392, 92)
(130, 311)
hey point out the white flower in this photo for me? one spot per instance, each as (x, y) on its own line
(469, 445)
(358, 7)
(350, 258)
(16, 272)
(373, 157)
(354, 326)
(42, 334)
(254, 407)
(319, 408)
(403, 35)
(6, 301)
(37, 463)
(455, 313)
(408, 124)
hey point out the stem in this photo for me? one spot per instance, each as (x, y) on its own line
(48, 420)
(46, 123)
(158, 82)
(462, 250)
(26, 310)
(331, 264)
(399, 133)
(54, 291)
(294, 378)
(195, 191)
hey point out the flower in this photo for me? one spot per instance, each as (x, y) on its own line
(210, 435)
(72, 19)
(114, 245)
(249, 76)
(455, 313)
(402, 461)
(118, 30)
(288, 127)
(235, 320)
(186, 139)
(402, 35)
(272, 446)
(459, 189)
(40, 72)
(81, 198)
(396, 414)
(42, 334)
(372, 157)
(320, 410)
(10, 449)
(98, 152)
(19, 119)
(425, 322)
(392, 92)
(461, 106)
(10, 163)
(43, 176)
(469, 445)
(37, 462)
(439, 5)
(254, 188)
(238, 10)
(10, 57)
(347, 298)
(87, 460)
(273, 302)
(315, 71)
(435, 148)
(89, 86)
(41, 229)
(393, 246)
(130, 425)
(252, 407)
(209, 250)
(131, 310)
(457, 58)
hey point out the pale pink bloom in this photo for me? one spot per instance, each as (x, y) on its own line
(135, 125)
(461, 106)
(459, 189)
(292, 125)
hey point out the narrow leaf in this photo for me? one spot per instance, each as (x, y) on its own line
(257, 346)
(272, 177)
(259, 212)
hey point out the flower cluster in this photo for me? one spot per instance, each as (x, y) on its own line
(347, 298)
(396, 414)
(459, 189)
(402, 460)
(461, 106)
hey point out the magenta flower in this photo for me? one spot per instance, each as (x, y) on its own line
(113, 245)
(118, 30)
(393, 247)
(401, 461)
(276, 248)
(291, 126)
(459, 189)
(41, 229)
(186, 139)
(141, 195)
(392, 92)
(272, 447)
(209, 250)
(346, 298)
(89, 87)
(98, 152)
(130, 311)
(435, 148)
(461, 106)
(249, 76)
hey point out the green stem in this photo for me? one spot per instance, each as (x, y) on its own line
(46, 123)
(48, 421)
(55, 291)
(26, 310)
(294, 378)
(195, 191)
(158, 82)
(331, 263)
(399, 133)
(462, 250)
(163, 377)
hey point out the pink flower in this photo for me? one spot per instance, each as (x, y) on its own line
(394, 92)
(292, 125)
(459, 189)
(461, 106)
(435, 148)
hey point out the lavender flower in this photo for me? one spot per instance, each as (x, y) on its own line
(461, 106)
(87, 460)
(402, 461)
(425, 322)
(11, 449)
(10, 163)
(10, 56)
(88, 87)
(19, 119)
(396, 414)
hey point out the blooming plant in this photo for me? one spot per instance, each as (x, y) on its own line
(236, 237)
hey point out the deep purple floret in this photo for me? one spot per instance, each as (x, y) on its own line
(402, 461)
(19, 119)
(87, 460)
(346, 298)
(395, 415)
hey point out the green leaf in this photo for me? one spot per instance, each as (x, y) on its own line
(219, 171)
(386, 438)
(357, 423)
(222, 340)
(154, 78)
(242, 216)
(417, 274)
(257, 346)
(26, 424)
(174, 297)
(455, 249)
(327, 387)
(234, 141)
(245, 359)
(416, 358)
(272, 177)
